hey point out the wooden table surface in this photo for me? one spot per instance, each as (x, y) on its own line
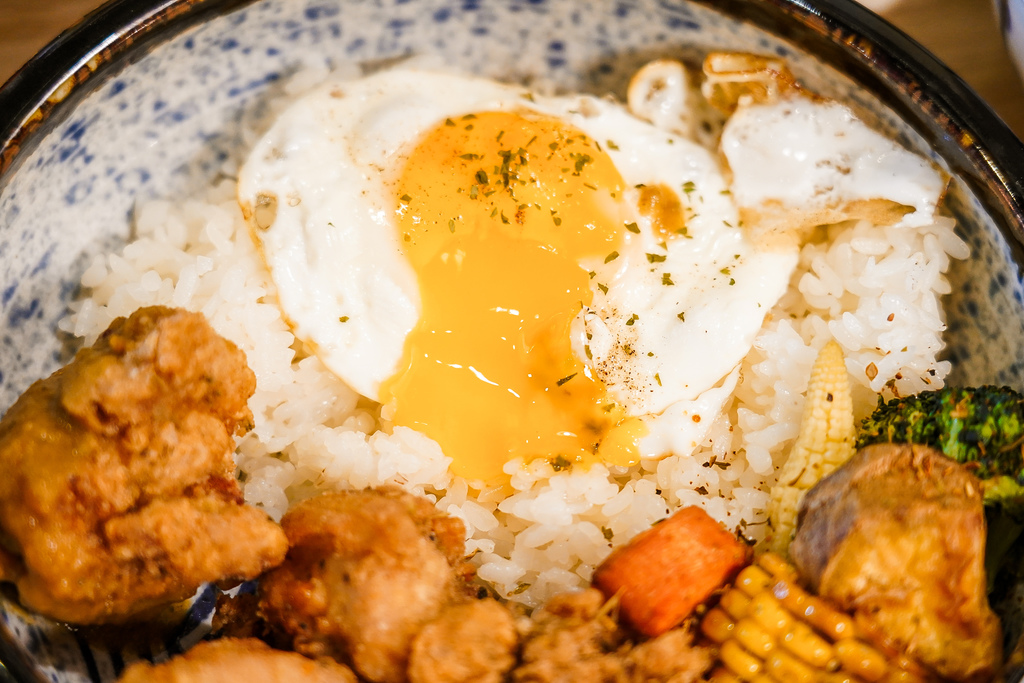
(962, 33)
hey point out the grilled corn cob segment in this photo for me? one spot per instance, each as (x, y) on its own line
(768, 628)
(825, 442)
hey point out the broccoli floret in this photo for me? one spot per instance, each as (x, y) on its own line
(981, 428)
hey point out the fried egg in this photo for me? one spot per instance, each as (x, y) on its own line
(827, 166)
(517, 276)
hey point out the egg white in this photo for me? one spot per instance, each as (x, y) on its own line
(806, 155)
(667, 352)
(662, 349)
(329, 160)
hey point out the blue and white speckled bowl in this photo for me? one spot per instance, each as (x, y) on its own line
(145, 97)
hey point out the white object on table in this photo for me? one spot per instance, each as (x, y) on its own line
(880, 6)
(1010, 14)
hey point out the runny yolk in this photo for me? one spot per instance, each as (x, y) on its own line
(496, 210)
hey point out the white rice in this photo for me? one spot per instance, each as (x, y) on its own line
(876, 290)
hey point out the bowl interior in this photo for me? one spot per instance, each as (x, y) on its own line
(173, 117)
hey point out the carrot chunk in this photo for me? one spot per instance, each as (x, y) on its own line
(665, 572)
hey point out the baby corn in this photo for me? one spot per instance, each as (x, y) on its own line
(825, 441)
(768, 628)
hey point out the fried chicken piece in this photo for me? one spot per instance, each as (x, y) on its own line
(469, 642)
(897, 536)
(572, 639)
(671, 657)
(237, 616)
(118, 494)
(235, 660)
(576, 638)
(365, 572)
(446, 532)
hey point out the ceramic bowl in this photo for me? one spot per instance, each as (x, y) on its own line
(145, 99)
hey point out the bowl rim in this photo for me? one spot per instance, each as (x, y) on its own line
(937, 103)
(914, 83)
(48, 86)
(908, 78)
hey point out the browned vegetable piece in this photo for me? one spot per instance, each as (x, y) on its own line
(234, 660)
(365, 572)
(118, 493)
(665, 572)
(897, 536)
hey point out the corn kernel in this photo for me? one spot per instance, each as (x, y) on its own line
(811, 648)
(754, 638)
(739, 661)
(770, 614)
(717, 626)
(839, 677)
(753, 580)
(777, 567)
(861, 659)
(785, 668)
(815, 611)
(904, 676)
(906, 671)
(735, 603)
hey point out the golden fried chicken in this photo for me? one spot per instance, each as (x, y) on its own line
(237, 616)
(575, 637)
(234, 660)
(118, 494)
(366, 570)
(469, 642)
(571, 638)
(897, 536)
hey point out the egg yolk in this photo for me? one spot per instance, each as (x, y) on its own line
(496, 211)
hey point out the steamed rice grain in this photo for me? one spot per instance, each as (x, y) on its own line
(874, 289)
